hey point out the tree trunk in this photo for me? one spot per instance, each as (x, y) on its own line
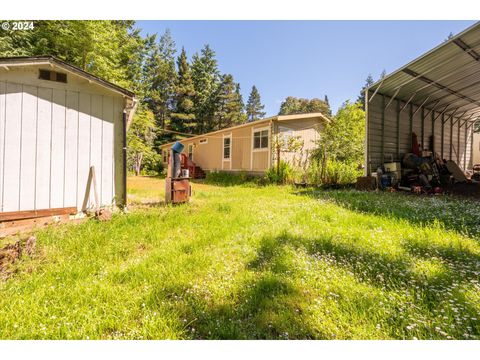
(138, 164)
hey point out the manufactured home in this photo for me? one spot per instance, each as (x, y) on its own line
(56, 123)
(435, 97)
(250, 147)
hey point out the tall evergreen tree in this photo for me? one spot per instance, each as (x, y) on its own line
(361, 98)
(160, 75)
(229, 111)
(240, 103)
(206, 79)
(254, 106)
(183, 115)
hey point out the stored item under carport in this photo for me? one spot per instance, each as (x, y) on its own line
(177, 183)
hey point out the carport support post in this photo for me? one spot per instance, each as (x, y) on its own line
(472, 125)
(458, 142)
(451, 139)
(383, 129)
(410, 116)
(465, 147)
(398, 129)
(433, 133)
(367, 142)
(423, 127)
(443, 133)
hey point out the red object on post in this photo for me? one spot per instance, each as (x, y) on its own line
(177, 189)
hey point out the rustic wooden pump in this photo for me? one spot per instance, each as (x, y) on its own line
(177, 183)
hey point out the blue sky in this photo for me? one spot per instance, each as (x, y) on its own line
(307, 58)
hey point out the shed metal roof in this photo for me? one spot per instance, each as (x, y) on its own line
(53, 61)
(445, 79)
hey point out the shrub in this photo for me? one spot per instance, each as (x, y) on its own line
(282, 175)
(335, 173)
(225, 178)
(341, 173)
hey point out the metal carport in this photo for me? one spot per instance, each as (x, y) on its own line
(437, 96)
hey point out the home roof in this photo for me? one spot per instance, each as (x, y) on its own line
(446, 79)
(7, 62)
(262, 121)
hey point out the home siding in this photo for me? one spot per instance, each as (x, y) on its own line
(307, 130)
(241, 148)
(209, 156)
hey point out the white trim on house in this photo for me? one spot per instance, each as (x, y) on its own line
(270, 141)
(229, 159)
(190, 146)
(251, 150)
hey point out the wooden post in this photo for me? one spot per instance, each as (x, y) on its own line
(278, 159)
(92, 179)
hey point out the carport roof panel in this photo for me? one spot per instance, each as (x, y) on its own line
(448, 75)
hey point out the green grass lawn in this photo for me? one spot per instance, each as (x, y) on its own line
(245, 262)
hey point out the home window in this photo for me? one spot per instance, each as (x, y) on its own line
(52, 76)
(227, 142)
(190, 151)
(165, 155)
(260, 139)
(203, 141)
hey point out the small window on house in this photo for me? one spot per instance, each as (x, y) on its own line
(260, 139)
(165, 155)
(203, 141)
(52, 76)
(226, 147)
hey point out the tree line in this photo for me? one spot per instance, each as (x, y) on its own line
(179, 95)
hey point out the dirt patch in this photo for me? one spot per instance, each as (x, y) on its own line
(13, 252)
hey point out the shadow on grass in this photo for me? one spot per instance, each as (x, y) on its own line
(148, 204)
(453, 214)
(272, 303)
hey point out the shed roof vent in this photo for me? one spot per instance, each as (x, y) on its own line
(52, 76)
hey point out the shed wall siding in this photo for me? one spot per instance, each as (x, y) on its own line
(50, 135)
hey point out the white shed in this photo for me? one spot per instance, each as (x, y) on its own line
(56, 121)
